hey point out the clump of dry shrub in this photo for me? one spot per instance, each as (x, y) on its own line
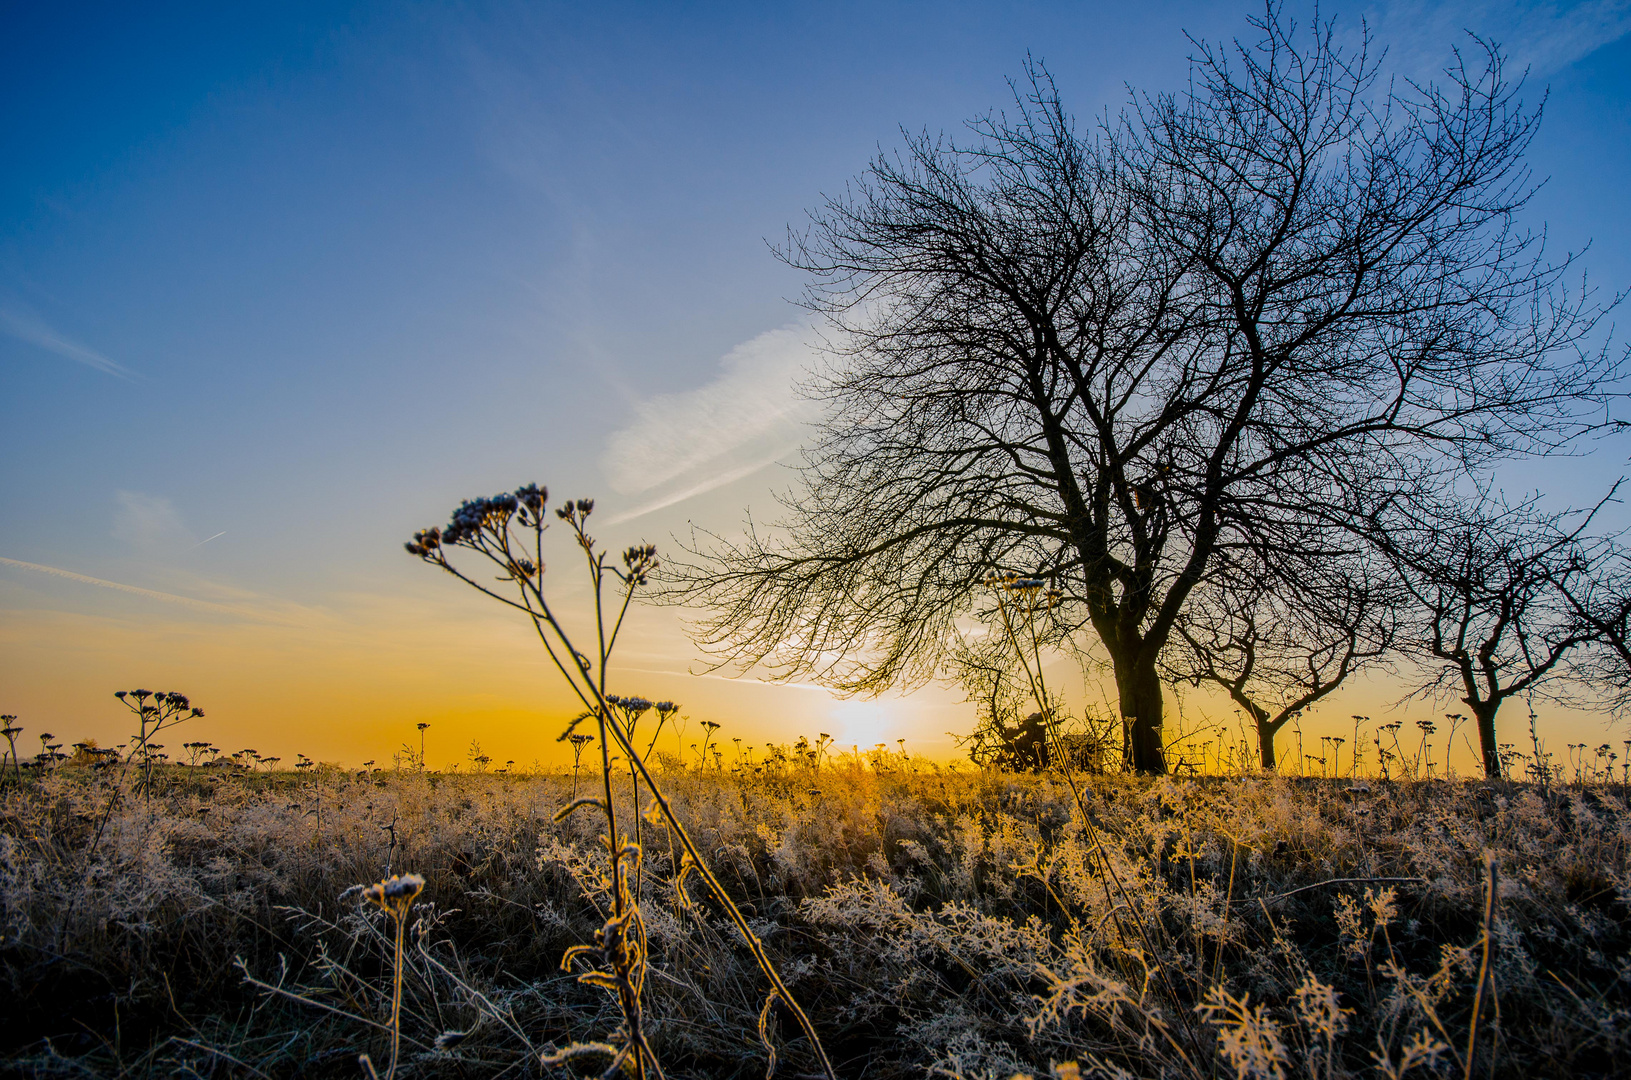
(933, 921)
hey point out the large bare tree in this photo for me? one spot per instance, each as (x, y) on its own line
(1108, 358)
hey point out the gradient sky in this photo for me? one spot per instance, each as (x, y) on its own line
(280, 283)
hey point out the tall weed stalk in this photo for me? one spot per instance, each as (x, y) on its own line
(508, 531)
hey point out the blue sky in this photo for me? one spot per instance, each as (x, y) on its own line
(280, 283)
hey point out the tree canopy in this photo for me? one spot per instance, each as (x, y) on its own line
(1218, 331)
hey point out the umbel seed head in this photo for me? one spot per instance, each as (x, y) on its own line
(396, 893)
(425, 542)
(533, 497)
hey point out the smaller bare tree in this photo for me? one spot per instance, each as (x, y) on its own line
(1600, 599)
(1277, 644)
(1489, 590)
(984, 666)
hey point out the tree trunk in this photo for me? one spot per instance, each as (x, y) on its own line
(1265, 743)
(1139, 688)
(1484, 713)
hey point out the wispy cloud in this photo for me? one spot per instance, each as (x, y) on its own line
(677, 446)
(235, 610)
(26, 326)
(150, 523)
(1543, 37)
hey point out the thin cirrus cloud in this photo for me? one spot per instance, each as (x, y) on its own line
(238, 611)
(680, 445)
(1540, 38)
(150, 523)
(25, 326)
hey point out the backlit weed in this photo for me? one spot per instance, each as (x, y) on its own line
(508, 531)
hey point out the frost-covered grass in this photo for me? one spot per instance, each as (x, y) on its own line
(932, 921)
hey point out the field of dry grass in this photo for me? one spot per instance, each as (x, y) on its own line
(933, 922)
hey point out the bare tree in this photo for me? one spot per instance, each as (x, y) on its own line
(1490, 607)
(1277, 645)
(1108, 360)
(1598, 595)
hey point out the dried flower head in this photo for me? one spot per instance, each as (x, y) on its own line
(395, 894)
(426, 543)
(641, 560)
(532, 497)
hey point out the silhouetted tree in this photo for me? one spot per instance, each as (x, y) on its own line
(1278, 644)
(1109, 359)
(1488, 606)
(1599, 598)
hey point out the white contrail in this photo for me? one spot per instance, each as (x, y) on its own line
(26, 326)
(712, 482)
(751, 401)
(151, 594)
(207, 539)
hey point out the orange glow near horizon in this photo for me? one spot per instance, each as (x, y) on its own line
(349, 683)
(351, 687)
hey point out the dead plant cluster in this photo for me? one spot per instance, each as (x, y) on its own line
(932, 921)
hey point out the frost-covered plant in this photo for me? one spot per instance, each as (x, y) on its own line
(394, 896)
(155, 712)
(508, 531)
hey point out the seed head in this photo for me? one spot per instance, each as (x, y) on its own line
(533, 497)
(425, 542)
(396, 893)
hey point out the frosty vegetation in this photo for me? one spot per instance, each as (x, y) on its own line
(934, 921)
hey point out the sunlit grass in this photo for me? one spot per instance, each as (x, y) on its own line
(963, 921)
